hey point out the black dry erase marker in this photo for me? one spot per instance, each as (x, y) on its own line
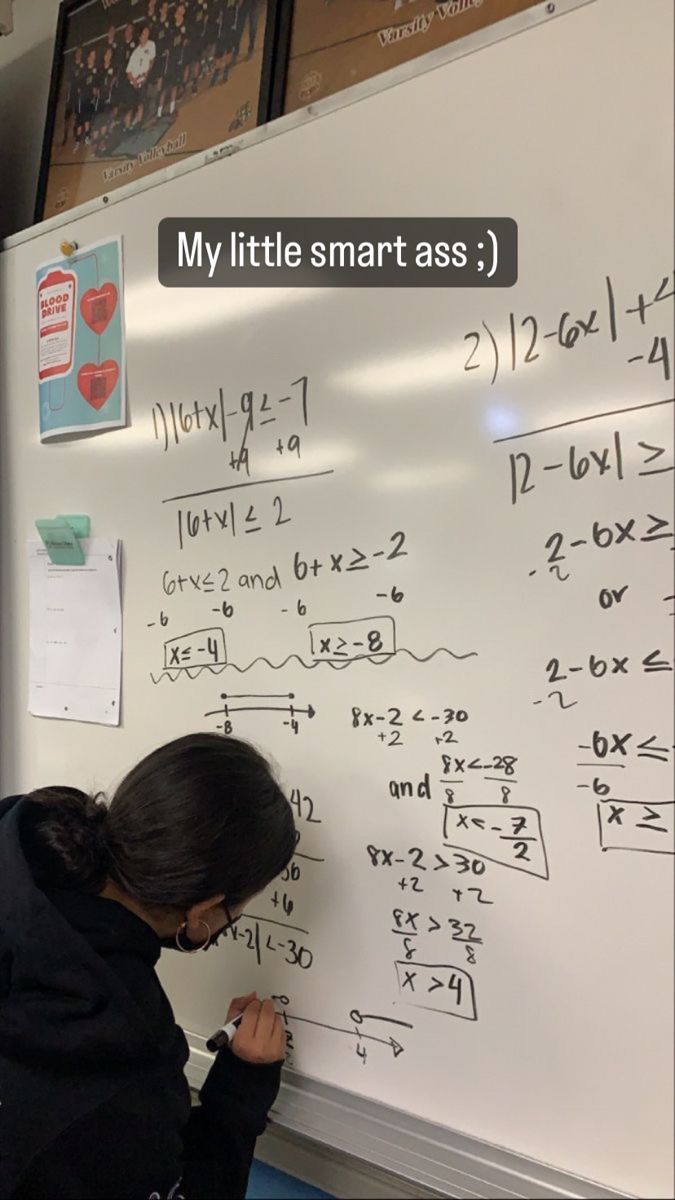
(222, 1037)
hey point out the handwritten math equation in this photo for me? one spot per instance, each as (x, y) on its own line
(240, 425)
(347, 677)
(587, 460)
(523, 338)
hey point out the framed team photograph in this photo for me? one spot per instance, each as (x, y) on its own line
(337, 43)
(139, 84)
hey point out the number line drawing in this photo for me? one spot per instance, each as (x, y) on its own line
(258, 696)
(304, 712)
(355, 1033)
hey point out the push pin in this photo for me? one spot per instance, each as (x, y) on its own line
(68, 248)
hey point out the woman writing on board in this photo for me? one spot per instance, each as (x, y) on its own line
(93, 1099)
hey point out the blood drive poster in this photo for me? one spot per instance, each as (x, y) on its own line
(80, 337)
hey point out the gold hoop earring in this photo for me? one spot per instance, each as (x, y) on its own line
(192, 949)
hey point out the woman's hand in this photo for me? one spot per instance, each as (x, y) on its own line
(238, 1005)
(260, 1038)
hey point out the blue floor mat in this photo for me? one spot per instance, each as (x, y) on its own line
(134, 141)
(266, 1183)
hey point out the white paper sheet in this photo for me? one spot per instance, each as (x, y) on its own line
(76, 635)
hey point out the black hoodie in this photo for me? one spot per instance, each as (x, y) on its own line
(93, 1099)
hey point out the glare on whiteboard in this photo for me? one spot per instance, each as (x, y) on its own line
(419, 369)
(153, 311)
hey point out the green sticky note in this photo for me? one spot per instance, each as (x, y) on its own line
(60, 542)
(80, 525)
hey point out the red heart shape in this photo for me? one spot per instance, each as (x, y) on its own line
(96, 381)
(98, 305)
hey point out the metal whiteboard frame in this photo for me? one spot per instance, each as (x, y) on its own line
(441, 1160)
(508, 27)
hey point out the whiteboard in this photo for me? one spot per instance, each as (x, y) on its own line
(468, 606)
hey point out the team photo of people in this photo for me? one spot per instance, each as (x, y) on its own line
(146, 81)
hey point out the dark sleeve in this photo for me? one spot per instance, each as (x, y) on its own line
(130, 1148)
(7, 803)
(222, 1131)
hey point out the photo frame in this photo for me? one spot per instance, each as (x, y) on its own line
(335, 44)
(139, 84)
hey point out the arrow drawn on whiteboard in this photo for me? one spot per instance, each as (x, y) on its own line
(395, 1046)
(378, 661)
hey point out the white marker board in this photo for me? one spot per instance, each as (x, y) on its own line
(521, 628)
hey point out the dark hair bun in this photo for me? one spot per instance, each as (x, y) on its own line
(66, 839)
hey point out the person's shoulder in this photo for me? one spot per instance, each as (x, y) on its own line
(7, 803)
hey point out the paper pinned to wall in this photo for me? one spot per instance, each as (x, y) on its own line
(76, 634)
(81, 341)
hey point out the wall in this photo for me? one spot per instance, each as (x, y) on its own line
(25, 66)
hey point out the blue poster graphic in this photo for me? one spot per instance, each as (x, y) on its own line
(80, 328)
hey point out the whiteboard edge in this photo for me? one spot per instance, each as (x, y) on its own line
(400, 1143)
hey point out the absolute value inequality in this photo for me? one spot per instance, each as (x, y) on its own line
(247, 250)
